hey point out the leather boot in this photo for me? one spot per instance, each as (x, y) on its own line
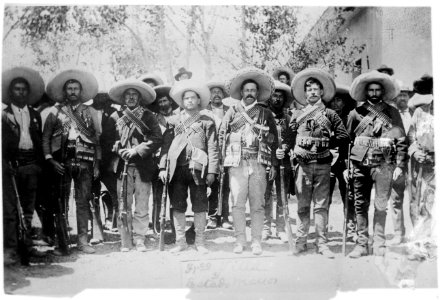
(199, 224)
(83, 245)
(179, 223)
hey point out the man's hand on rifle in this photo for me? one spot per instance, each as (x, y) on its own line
(128, 154)
(210, 179)
(59, 168)
(280, 153)
(346, 175)
(420, 156)
(12, 170)
(272, 173)
(163, 176)
(96, 170)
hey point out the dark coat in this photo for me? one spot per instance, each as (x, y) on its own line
(145, 146)
(11, 134)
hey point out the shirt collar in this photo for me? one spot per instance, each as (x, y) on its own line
(247, 107)
(317, 103)
(18, 109)
(371, 103)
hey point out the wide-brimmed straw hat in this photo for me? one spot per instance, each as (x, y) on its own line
(36, 83)
(161, 91)
(148, 95)
(279, 70)
(88, 82)
(181, 72)
(287, 91)
(180, 87)
(358, 89)
(266, 84)
(218, 84)
(385, 68)
(322, 76)
(151, 76)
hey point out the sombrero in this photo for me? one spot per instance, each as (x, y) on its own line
(88, 82)
(323, 77)
(342, 89)
(181, 72)
(358, 89)
(287, 91)
(117, 91)
(218, 84)
(385, 68)
(180, 87)
(161, 91)
(153, 77)
(36, 83)
(276, 73)
(266, 84)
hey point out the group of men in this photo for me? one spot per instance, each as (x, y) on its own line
(184, 138)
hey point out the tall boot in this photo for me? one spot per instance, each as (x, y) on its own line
(199, 224)
(82, 220)
(321, 220)
(179, 223)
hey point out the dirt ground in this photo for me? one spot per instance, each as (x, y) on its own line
(221, 273)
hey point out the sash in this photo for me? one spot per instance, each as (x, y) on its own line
(80, 124)
(375, 111)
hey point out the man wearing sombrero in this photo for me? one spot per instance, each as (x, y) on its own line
(135, 135)
(316, 130)
(281, 98)
(342, 104)
(71, 142)
(191, 151)
(151, 79)
(378, 155)
(283, 74)
(164, 108)
(217, 111)
(423, 207)
(250, 134)
(183, 74)
(22, 154)
(104, 107)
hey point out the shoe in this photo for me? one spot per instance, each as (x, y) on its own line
(379, 251)
(95, 241)
(397, 240)
(202, 249)
(10, 258)
(326, 252)
(58, 252)
(179, 248)
(358, 251)
(212, 223)
(256, 248)
(140, 246)
(125, 249)
(265, 235)
(35, 253)
(238, 249)
(300, 248)
(226, 224)
(108, 225)
(86, 249)
(282, 235)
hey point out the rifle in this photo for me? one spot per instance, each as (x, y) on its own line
(22, 228)
(284, 198)
(344, 230)
(221, 178)
(163, 209)
(125, 231)
(61, 221)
